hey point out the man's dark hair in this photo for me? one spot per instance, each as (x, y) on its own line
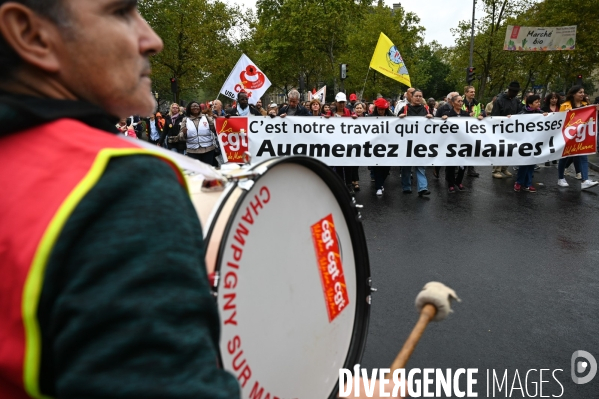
(54, 10)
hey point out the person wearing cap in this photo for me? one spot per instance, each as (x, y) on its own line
(352, 102)
(349, 174)
(294, 108)
(506, 104)
(380, 173)
(272, 110)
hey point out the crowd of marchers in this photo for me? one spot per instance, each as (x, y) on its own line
(191, 130)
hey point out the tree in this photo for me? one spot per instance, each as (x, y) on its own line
(198, 46)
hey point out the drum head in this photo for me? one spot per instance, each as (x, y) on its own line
(293, 295)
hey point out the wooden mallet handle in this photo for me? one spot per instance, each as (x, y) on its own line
(427, 313)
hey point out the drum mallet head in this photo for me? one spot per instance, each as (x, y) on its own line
(438, 295)
(434, 304)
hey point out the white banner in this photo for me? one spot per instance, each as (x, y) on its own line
(320, 95)
(248, 77)
(417, 141)
(535, 38)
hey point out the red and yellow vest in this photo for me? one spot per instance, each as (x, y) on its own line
(46, 172)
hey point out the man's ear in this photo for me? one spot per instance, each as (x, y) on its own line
(31, 36)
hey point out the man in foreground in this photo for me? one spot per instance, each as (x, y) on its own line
(103, 293)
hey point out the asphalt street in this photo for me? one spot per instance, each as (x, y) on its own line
(526, 267)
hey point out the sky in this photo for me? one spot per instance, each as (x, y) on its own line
(436, 16)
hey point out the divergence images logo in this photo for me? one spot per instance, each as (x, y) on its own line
(582, 365)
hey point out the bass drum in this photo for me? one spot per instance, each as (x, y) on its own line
(292, 278)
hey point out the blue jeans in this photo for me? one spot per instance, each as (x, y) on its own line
(524, 177)
(406, 178)
(581, 163)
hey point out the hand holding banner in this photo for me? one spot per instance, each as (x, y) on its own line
(232, 136)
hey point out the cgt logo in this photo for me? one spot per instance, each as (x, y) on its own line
(581, 366)
(580, 131)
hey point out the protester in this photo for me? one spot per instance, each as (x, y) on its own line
(154, 129)
(506, 104)
(575, 99)
(431, 103)
(446, 106)
(359, 109)
(294, 108)
(349, 174)
(198, 132)
(475, 109)
(262, 111)
(170, 134)
(273, 109)
(104, 286)
(315, 108)
(243, 108)
(525, 173)
(414, 108)
(380, 173)
(352, 102)
(217, 108)
(551, 103)
(405, 100)
(457, 110)
(326, 108)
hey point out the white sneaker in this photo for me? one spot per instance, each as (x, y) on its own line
(379, 192)
(562, 183)
(588, 184)
(579, 176)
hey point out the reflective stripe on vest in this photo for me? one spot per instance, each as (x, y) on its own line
(47, 171)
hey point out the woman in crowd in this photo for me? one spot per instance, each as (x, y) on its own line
(575, 99)
(359, 109)
(314, 107)
(326, 108)
(380, 173)
(453, 181)
(170, 134)
(198, 132)
(551, 103)
(525, 173)
(415, 108)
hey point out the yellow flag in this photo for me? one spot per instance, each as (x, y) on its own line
(387, 60)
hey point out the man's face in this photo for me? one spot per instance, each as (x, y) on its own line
(218, 106)
(293, 102)
(381, 111)
(409, 94)
(242, 99)
(259, 104)
(470, 94)
(104, 56)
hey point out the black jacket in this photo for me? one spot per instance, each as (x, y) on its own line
(301, 111)
(527, 110)
(253, 111)
(172, 129)
(504, 106)
(415, 110)
(451, 113)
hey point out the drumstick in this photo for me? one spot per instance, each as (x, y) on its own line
(434, 304)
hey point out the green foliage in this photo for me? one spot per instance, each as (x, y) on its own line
(198, 46)
(554, 69)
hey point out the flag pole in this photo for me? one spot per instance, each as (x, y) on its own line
(363, 87)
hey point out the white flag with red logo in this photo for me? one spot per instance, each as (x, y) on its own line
(248, 77)
(320, 95)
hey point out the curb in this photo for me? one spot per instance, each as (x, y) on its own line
(594, 166)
